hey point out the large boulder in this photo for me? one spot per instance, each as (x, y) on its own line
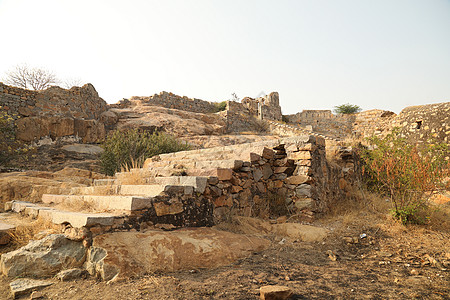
(43, 258)
(126, 254)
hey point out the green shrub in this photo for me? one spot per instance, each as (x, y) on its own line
(132, 147)
(347, 109)
(406, 173)
(220, 106)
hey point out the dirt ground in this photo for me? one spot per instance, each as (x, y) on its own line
(366, 256)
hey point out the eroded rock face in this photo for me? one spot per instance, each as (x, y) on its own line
(43, 258)
(126, 254)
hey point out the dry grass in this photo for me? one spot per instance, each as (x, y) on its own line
(24, 233)
(77, 205)
(133, 177)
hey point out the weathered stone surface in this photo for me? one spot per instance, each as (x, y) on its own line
(132, 253)
(301, 232)
(224, 174)
(24, 286)
(83, 148)
(297, 179)
(43, 258)
(275, 292)
(300, 155)
(168, 208)
(71, 274)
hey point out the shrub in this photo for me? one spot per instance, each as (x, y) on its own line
(132, 147)
(408, 174)
(220, 106)
(347, 109)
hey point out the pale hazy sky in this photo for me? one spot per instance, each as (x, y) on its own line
(385, 54)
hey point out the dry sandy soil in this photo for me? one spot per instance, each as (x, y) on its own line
(390, 262)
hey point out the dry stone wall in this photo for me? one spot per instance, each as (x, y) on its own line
(170, 100)
(55, 112)
(425, 123)
(274, 178)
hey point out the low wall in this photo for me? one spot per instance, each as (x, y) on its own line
(170, 100)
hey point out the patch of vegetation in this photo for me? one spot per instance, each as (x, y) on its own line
(284, 119)
(220, 106)
(406, 173)
(132, 147)
(347, 109)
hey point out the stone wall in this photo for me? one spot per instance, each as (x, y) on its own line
(424, 123)
(77, 102)
(416, 123)
(271, 178)
(170, 100)
(55, 112)
(266, 107)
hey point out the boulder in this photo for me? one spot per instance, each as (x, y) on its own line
(127, 254)
(43, 258)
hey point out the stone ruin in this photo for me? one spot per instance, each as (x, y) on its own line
(289, 176)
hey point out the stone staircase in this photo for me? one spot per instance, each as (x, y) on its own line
(193, 188)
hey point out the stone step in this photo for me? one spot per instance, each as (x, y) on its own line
(101, 182)
(197, 182)
(152, 177)
(56, 216)
(108, 202)
(149, 190)
(238, 152)
(194, 164)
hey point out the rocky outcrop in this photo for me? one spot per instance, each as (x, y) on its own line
(185, 249)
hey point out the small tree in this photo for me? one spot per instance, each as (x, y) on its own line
(30, 78)
(347, 109)
(406, 173)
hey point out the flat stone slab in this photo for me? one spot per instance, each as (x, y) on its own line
(25, 286)
(197, 182)
(99, 202)
(76, 219)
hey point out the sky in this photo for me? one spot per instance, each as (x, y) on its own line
(316, 54)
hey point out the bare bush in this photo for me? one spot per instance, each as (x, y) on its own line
(26, 77)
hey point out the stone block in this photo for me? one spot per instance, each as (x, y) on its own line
(168, 208)
(297, 180)
(300, 155)
(268, 153)
(224, 174)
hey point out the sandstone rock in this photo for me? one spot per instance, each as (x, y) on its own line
(301, 232)
(43, 258)
(298, 179)
(224, 174)
(268, 153)
(71, 274)
(24, 286)
(132, 253)
(275, 292)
